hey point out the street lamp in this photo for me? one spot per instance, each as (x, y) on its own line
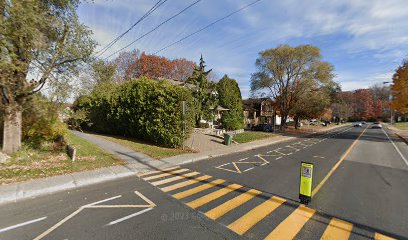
(390, 99)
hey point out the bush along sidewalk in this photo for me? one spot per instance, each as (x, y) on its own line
(140, 108)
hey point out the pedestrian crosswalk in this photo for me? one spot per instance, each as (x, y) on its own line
(245, 211)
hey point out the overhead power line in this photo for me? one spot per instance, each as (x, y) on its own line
(155, 28)
(109, 45)
(209, 25)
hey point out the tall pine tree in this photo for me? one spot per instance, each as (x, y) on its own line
(204, 93)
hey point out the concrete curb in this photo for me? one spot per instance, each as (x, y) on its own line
(43, 186)
(402, 138)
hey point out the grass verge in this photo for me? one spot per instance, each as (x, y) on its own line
(401, 125)
(252, 136)
(151, 150)
(31, 163)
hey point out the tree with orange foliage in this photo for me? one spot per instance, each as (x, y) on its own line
(399, 89)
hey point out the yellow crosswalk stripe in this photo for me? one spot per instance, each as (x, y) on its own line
(244, 223)
(153, 172)
(165, 174)
(379, 236)
(337, 230)
(195, 190)
(289, 227)
(174, 178)
(212, 196)
(185, 183)
(224, 208)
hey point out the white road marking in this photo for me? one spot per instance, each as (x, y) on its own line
(93, 205)
(278, 158)
(248, 169)
(129, 216)
(223, 165)
(22, 224)
(243, 159)
(104, 200)
(395, 146)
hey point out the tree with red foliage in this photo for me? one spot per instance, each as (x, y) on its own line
(363, 106)
(136, 64)
(182, 69)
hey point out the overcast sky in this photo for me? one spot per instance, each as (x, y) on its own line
(364, 40)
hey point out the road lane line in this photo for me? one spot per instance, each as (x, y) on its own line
(160, 182)
(153, 172)
(213, 196)
(395, 146)
(22, 224)
(337, 230)
(246, 222)
(129, 216)
(379, 236)
(166, 174)
(320, 185)
(226, 207)
(185, 183)
(198, 189)
(289, 227)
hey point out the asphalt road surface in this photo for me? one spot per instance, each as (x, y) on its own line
(359, 187)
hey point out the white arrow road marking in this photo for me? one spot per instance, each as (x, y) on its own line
(22, 224)
(129, 216)
(94, 205)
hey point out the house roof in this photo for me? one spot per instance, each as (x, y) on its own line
(255, 103)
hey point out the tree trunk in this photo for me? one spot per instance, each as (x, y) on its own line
(12, 130)
(283, 121)
(296, 122)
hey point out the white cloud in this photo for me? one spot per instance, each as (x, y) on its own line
(374, 29)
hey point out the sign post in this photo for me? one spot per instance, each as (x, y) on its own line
(306, 177)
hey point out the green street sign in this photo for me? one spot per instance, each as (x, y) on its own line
(306, 179)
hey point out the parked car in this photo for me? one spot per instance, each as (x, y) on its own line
(262, 127)
(363, 122)
(357, 124)
(313, 122)
(325, 123)
(376, 125)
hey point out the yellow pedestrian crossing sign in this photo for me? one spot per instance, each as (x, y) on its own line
(306, 177)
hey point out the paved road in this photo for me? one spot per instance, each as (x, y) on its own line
(359, 193)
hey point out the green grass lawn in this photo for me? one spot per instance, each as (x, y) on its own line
(252, 136)
(149, 149)
(31, 163)
(401, 125)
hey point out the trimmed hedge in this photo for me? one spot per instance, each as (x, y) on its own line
(142, 109)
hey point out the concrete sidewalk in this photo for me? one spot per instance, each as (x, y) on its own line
(136, 163)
